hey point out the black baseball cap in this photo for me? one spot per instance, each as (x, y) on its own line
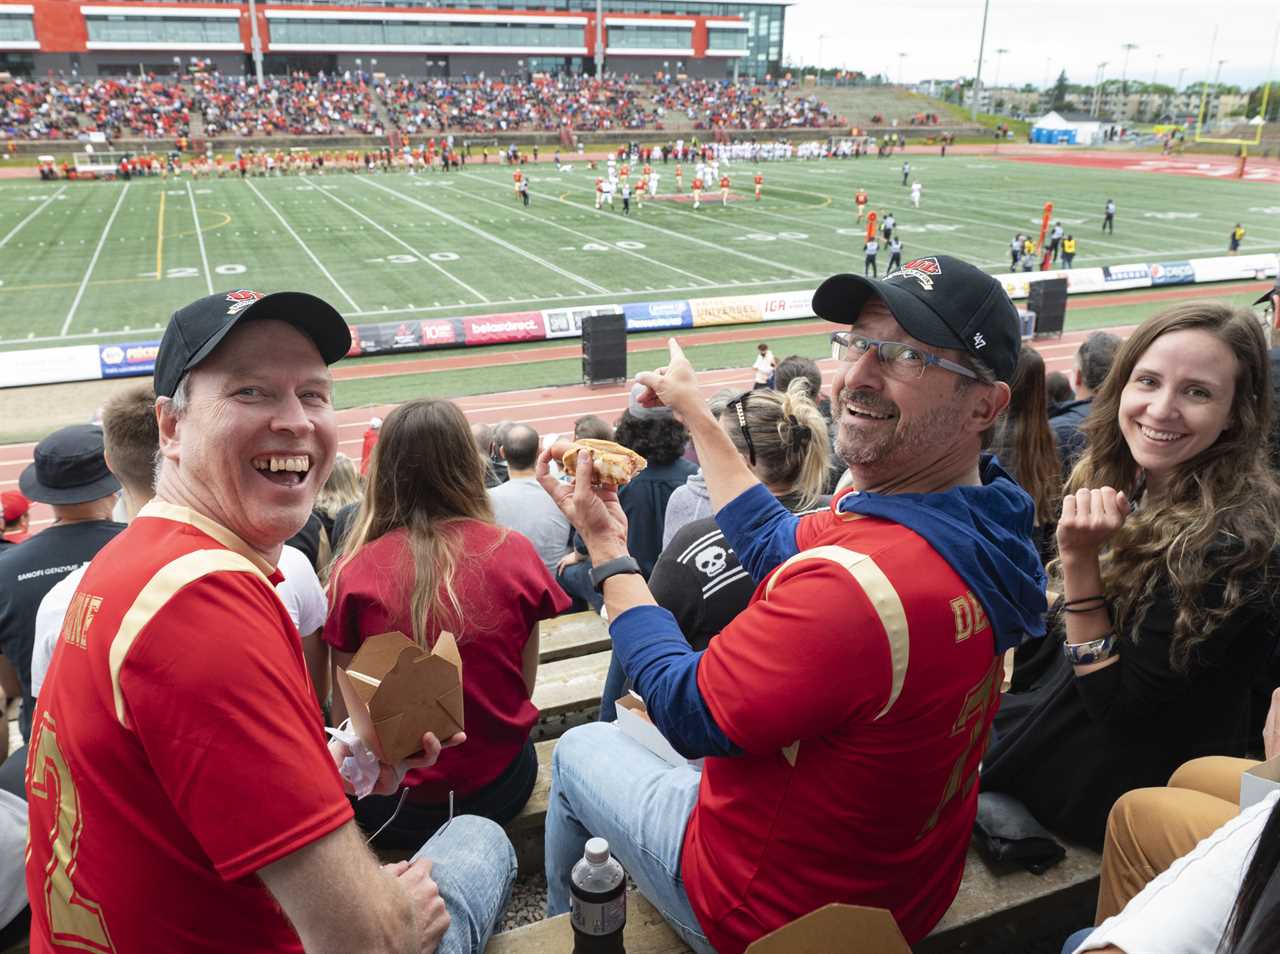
(939, 300)
(69, 468)
(196, 330)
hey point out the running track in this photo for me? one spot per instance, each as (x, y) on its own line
(554, 409)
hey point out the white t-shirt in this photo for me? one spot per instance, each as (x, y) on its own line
(13, 846)
(300, 592)
(764, 367)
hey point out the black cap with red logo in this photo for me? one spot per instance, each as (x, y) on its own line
(938, 300)
(196, 330)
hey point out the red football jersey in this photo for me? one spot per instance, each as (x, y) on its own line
(176, 750)
(697, 183)
(860, 682)
(724, 182)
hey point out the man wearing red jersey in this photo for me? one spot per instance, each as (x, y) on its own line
(860, 200)
(759, 180)
(724, 190)
(840, 762)
(181, 794)
(679, 178)
(599, 190)
(516, 177)
(697, 192)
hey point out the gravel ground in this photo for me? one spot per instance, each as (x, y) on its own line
(528, 901)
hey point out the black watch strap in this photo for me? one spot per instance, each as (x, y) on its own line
(601, 572)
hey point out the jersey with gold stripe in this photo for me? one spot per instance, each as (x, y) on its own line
(177, 749)
(860, 682)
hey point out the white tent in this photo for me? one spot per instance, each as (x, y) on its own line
(1058, 127)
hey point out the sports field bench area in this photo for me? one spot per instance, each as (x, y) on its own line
(998, 909)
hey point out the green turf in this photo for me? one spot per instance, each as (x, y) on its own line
(366, 242)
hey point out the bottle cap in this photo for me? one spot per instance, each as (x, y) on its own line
(597, 851)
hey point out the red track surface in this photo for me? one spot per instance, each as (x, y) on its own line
(1213, 167)
(554, 409)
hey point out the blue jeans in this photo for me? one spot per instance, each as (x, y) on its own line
(1076, 940)
(615, 684)
(474, 865)
(605, 784)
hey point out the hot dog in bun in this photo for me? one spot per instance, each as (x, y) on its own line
(611, 463)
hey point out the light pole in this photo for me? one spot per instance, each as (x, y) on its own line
(982, 42)
(599, 39)
(1124, 70)
(821, 61)
(255, 41)
(1098, 79)
(1000, 51)
(901, 57)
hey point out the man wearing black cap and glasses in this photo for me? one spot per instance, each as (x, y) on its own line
(843, 714)
(69, 473)
(181, 793)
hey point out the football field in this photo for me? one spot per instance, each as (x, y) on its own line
(108, 261)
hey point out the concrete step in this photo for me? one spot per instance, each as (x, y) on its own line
(577, 634)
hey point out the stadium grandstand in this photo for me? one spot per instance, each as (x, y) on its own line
(413, 38)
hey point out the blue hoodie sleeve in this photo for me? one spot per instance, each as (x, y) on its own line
(761, 531)
(664, 668)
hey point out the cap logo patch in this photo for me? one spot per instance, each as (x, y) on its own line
(241, 299)
(979, 341)
(923, 270)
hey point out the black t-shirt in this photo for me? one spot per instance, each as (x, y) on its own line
(308, 540)
(6, 544)
(699, 579)
(1070, 745)
(27, 573)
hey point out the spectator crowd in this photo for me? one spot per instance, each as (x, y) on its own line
(954, 597)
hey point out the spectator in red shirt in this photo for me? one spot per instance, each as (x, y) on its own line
(15, 519)
(424, 556)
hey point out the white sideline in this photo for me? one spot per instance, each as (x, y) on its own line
(84, 282)
(298, 238)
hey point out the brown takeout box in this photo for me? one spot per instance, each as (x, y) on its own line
(395, 692)
(849, 928)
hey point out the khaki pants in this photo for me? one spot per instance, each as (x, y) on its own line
(1150, 828)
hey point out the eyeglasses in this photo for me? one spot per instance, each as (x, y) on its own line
(899, 360)
(738, 405)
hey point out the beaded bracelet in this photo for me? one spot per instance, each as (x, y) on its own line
(1078, 605)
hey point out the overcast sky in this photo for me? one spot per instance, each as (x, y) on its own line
(940, 38)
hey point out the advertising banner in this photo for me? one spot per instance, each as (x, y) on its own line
(1172, 273)
(1079, 281)
(410, 335)
(128, 360)
(567, 322)
(500, 329)
(734, 310)
(1234, 268)
(649, 315)
(784, 306)
(1117, 277)
(49, 366)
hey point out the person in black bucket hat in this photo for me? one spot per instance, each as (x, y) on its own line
(69, 472)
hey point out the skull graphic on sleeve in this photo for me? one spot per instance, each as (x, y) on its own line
(710, 561)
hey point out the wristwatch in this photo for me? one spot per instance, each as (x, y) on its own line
(1096, 650)
(602, 571)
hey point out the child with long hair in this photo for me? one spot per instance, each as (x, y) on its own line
(1166, 564)
(423, 557)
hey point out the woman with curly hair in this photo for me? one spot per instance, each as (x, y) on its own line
(1166, 566)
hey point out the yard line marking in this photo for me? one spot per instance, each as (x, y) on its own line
(405, 245)
(204, 259)
(298, 238)
(102, 240)
(565, 273)
(43, 205)
(589, 238)
(800, 272)
(160, 239)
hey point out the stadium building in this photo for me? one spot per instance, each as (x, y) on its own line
(455, 38)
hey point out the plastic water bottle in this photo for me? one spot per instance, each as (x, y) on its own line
(598, 901)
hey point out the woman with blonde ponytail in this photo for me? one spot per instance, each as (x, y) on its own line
(783, 438)
(423, 557)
